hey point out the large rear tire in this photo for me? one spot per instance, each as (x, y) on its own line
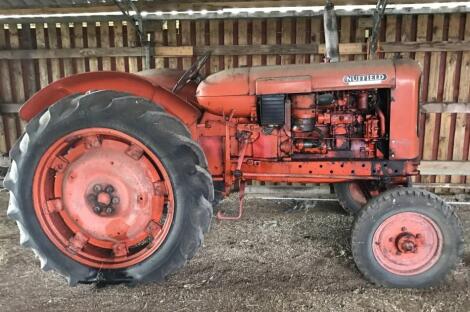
(350, 196)
(107, 187)
(407, 238)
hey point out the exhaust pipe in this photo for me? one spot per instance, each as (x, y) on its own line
(331, 33)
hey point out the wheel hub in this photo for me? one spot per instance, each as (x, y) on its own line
(109, 202)
(407, 243)
(103, 199)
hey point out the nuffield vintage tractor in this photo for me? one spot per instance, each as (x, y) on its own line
(116, 175)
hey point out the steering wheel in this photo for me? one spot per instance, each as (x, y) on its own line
(192, 73)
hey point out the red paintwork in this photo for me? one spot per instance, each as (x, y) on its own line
(224, 107)
(407, 243)
(102, 157)
(245, 82)
(153, 85)
(404, 141)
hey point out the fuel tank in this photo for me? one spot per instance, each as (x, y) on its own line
(235, 90)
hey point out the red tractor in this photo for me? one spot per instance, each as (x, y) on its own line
(116, 175)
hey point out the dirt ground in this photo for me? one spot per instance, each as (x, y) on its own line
(281, 256)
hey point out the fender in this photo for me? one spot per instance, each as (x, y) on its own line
(148, 85)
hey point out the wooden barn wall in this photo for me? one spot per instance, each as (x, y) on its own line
(446, 70)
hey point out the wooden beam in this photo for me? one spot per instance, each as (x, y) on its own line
(441, 167)
(445, 108)
(92, 52)
(438, 46)
(9, 108)
(267, 49)
(225, 50)
(454, 186)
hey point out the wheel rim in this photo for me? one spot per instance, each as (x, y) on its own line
(407, 243)
(103, 198)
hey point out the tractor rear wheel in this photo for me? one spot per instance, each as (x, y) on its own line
(107, 187)
(407, 238)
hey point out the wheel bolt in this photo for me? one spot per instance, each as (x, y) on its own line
(109, 189)
(115, 200)
(109, 210)
(97, 188)
(97, 209)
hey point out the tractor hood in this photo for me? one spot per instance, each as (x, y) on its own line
(298, 78)
(236, 90)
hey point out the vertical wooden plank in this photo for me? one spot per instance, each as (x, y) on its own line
(228, 41)
(345, 33)
(462, 127)
(317, 37)
(407, 33)
(6, 95)
(5, 91)
(17, 85)
(438, 28)
(30, 84)
(422, 33)
(91, 43)
(78, 43)
(300, 30)
(446, 135)
(390, 32)
(286, 38)
(104, 41)
(214, 40)
(172, 34)
(66, 44)
(201, 36)
(257, 36)
(271, 29)
(433, 120)
(52, 31)
(360, 36)
(42, 63)
(119, 43)
(158, 37)
(16, 68)
(242, 40)
(133, 41)
(186, 40)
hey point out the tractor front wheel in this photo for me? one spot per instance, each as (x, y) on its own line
(107, 187)
(407, 238)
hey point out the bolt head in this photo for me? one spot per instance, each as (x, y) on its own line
(109, 210)
(97, 188)
(109, 189)
(115, 200)
(97, 209)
